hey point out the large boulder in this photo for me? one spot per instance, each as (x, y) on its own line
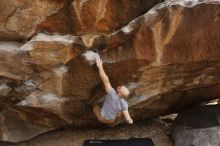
(168, 58)
(179, 54)
(198, 137)
(197, 126)
(21, 19)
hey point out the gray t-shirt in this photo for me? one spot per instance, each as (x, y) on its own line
(112, 105)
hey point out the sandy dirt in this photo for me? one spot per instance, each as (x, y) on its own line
(75, 137)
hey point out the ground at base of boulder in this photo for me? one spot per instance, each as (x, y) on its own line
(75, 137)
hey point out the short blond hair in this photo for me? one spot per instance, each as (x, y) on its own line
(126, 92)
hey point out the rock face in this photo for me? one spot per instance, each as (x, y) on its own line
(168, 57)
(201, 137)
(198, 126)
(22, 19)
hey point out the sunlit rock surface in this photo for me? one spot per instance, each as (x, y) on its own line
(168, 58)
(21, 19)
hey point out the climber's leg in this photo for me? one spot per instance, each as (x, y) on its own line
(118, 119)
(97, 111)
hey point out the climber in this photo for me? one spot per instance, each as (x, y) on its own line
(115, 106)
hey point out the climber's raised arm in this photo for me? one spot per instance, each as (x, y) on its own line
(103, 75)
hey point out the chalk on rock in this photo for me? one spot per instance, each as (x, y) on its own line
(91, 56)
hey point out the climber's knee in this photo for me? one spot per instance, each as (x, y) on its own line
(97, 111)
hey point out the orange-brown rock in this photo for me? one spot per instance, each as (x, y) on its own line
(168, 57)
(106, 15)
(22, 19)
(19, 18)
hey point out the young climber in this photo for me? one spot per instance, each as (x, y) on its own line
(114, 105)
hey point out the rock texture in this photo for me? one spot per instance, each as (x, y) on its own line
(201, 137)
(22, 19)
(168, 57)
(197, 126)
